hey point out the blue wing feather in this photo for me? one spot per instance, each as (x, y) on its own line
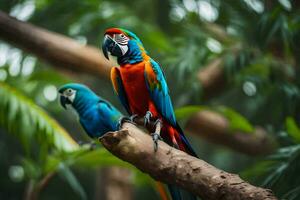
(100, 118)
(86, 129)
(109, 114)
(159, 92)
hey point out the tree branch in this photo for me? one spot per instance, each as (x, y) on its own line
(212, 78)
(176, 167)
(215, 128)
(54, 48)
(64, 52)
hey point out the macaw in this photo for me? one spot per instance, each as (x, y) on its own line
(142, 89)
(96, 115)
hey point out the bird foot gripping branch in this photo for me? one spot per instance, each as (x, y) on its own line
(147, 118)
(146, 122)
(156, 135)
(124, 119)
(158, 125)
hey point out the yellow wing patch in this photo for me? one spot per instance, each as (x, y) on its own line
(114, 74)
(144, 54)
(151, 76)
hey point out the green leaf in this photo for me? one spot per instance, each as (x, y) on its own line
(22, 117)
(292, 129)
(259, 169)
(100, 157)
(187, 111)
(275, 174)
(236, 121)
(293, 194)
(32, 170)
(65, 172)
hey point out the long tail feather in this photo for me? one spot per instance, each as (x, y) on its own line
(174, 192)
(183, 144)
(179, 194)
(161, 190)
(188, 146)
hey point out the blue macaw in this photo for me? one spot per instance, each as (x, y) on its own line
(96, 115)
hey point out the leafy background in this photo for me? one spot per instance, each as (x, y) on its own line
(257, 42)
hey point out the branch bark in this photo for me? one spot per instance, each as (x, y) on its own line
(215, 128)
(172, 166)
(54, 48)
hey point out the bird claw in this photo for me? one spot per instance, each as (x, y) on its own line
(147, 118)
(175, 145)
(155, 138)
(132, 118)
(124, 119)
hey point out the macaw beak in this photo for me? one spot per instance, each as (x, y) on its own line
(64, 101)
(110, 45)
(107, 42)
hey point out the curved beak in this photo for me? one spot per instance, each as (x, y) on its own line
(64, 101)
(110, 45)
(107, 42)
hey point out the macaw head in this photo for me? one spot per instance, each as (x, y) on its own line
(116, 41)
(75, 94)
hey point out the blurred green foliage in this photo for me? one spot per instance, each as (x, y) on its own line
(257, 40)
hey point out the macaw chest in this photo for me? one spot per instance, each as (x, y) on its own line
(135, 86)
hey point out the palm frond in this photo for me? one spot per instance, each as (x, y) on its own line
(22, 117)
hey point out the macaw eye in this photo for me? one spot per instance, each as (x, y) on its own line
(122, 39)
(69, 92)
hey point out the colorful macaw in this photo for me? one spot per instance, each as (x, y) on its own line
(141, 87)
(96, 115)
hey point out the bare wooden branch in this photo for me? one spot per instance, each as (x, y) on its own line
(63, 52)
(54, 48)
(215, 128)
(172, 166)
(212, 78)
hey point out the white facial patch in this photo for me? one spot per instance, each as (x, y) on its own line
(122, 41)
(124, 48)
(72, 97)
(70, 94)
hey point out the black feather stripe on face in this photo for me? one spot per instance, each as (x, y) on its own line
(121, 39)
